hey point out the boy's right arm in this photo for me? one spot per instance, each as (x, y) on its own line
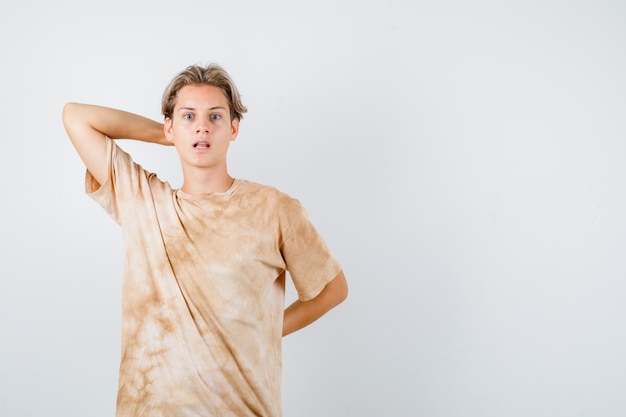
(87, 126)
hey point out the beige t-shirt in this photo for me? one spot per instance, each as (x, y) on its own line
(203, 293)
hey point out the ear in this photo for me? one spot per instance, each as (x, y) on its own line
(167, 129)
(234, 129)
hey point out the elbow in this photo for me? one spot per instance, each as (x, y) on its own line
(340, 288)
(68, 113)
(344, 292)
(67, 109)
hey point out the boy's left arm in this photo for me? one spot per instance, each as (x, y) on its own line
(302, 313)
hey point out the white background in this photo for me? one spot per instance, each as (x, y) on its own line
(463, 159)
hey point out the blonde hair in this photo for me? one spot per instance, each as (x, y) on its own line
(213, 75)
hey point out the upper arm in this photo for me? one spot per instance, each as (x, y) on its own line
(88, 141)
(303, 313)
(336, 291)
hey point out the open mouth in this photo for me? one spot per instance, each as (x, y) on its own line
(202, 144)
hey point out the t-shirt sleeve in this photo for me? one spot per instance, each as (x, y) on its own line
(309, 260)
(119, 182)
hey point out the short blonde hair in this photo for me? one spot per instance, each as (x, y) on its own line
(213, 75)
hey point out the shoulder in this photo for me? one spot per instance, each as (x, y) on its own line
(126, 172)
(269, 197)
(268, 192)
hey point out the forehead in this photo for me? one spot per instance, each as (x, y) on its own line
(200, 96)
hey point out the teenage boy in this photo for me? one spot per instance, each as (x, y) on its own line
(204, 274)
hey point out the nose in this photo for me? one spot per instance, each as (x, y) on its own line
(202, 125)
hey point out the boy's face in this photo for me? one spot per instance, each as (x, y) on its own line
(200, 126)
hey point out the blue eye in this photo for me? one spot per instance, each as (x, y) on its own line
(216, 116)
(187, 116)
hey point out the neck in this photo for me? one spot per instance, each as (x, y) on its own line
(199, 182)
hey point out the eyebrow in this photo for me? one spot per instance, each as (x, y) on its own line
(210, 108)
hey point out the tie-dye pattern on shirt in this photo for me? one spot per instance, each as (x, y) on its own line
(203, 293)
